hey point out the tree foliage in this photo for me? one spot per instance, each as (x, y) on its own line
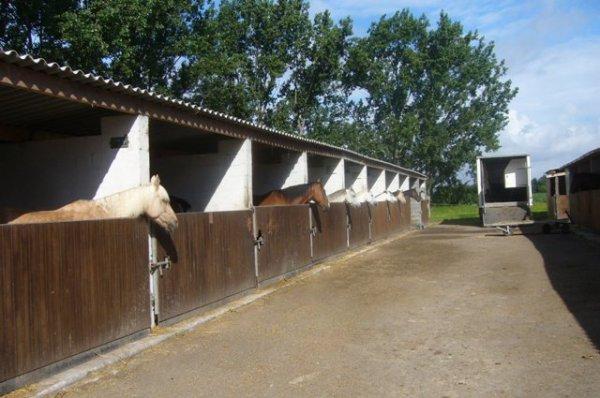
(427, 97)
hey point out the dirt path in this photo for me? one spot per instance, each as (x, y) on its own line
(447, 312)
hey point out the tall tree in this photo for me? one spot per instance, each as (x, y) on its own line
(435, 97)
(312, 93)
(33, 26)
(236, 63)
(135, 41)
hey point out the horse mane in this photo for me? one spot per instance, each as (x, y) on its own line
(296, 190)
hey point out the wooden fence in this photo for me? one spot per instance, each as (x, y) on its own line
(585, 208)
(212, 258)
(330, 230)
(359, 225)
(285, 231)
(67, 288)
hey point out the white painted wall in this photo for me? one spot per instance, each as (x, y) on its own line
(51, 173)
(423, 188)
(219, 181)
(329, 170)
(392, 181)
(415, 207)
(515, 174)
(355, 176)
(404, 182)
(293, 170)
(376, 180)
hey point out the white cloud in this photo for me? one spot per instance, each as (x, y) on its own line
(555, 115)
(552, 49)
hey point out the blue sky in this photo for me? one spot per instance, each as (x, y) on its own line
(552, 49)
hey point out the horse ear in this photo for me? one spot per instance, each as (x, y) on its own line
(155, 180)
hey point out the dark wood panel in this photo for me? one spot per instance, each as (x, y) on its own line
(331, 233)
(8, 357)
(213, 258)
(380, 221)
(359, 224)
(399, 216)
(405, 215)
(585, 208)
(286, 234)
(76, 286)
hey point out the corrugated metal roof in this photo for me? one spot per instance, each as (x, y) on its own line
(66, 72)
(579, 159)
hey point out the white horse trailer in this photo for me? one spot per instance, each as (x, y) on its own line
(504, 190)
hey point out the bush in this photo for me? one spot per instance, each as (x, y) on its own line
(459, 193)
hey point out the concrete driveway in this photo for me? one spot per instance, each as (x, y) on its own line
(446, 312)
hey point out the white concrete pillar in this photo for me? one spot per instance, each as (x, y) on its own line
(234, 191)
(220, 181)
(336, 180)
(404, 182)
(330, 171)
(299, 169)
(376, 180)
(127, 136)
(355, 176)
(392, 181)
(423, 188)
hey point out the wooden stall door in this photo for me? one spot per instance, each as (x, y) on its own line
(330, 234)
(286, 235)
(380, 222)
(359, 220)
(212, 258)
(67, 288)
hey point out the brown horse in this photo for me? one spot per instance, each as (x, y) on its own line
(296, 195)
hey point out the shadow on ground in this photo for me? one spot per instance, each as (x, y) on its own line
(468, 221)
(573, 267)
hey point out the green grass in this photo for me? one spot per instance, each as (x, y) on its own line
(469, 214)
(455, 214)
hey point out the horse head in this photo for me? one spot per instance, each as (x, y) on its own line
(400, 196)
(352, 198)
(413, 193)
(318, 195)
(158, 207)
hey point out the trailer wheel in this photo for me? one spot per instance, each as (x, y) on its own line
(565, 228)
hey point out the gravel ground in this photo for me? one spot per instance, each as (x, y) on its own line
(451, 311)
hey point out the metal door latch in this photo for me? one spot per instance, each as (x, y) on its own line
(160, 265)
(259, 240)
(313, 231)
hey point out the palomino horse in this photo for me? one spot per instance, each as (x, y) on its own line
(151, 201)
(296, 195)
(347, 196)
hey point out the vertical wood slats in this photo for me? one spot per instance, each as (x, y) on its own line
(399, 216)
(331, 230)
(585, 208)
(68, 288)
(359, 224)
(213, 258)
(286, 234)
(380, 220)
